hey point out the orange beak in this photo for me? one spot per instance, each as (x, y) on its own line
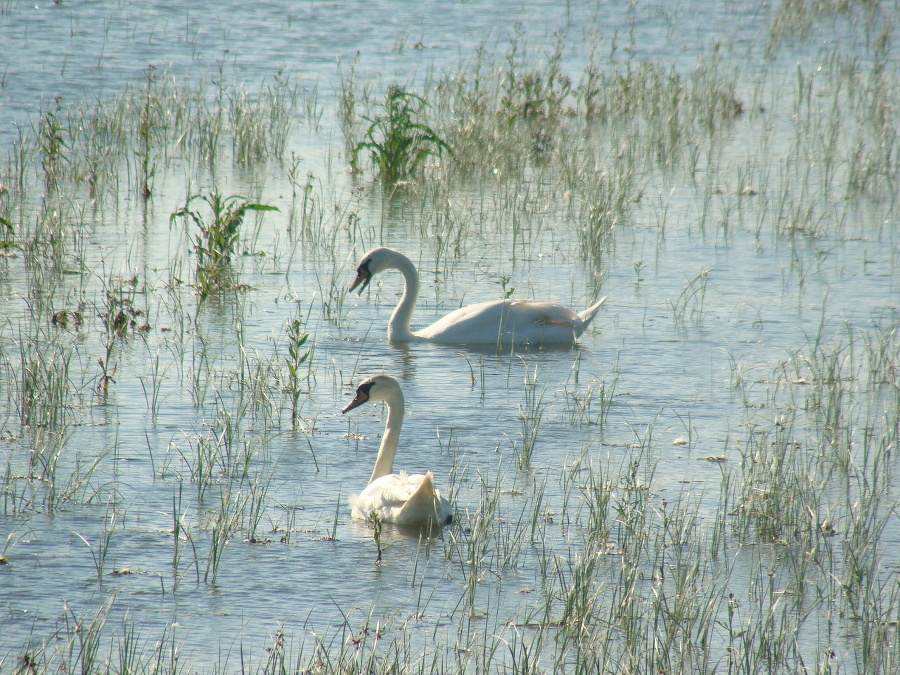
(363, 277)
(360, 398)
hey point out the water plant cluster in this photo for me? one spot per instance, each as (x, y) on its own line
(735, 511)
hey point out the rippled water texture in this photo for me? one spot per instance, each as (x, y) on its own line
(162, 486)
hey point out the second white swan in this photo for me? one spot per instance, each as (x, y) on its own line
(403, 499)
(492, 322)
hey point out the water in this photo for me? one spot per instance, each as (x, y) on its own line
(689, 309)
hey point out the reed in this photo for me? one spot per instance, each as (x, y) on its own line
(531, 413)
(691, 301)
(102, 544)
(348, 99)
(261, 124)
(45, 395)
(52, 143)
(590, 405)
(149, 121)
(224, 522)
(152, 383)
(257, 506)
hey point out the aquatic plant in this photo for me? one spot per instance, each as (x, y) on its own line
(763, 545)
(53, 145)
(534, 99)
(7, 243)
(348, 100)
(147, 128)
(216, 242)
(101, 552)
(691, 300)
(531, 413)
(121, 318)
(297, 356)
(397, 140)
(45, 393)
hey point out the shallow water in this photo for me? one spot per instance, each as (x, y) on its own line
(767, 295)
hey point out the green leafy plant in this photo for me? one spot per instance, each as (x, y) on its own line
(397, 141)
(217, 239)
(297, 356)
(504, 285)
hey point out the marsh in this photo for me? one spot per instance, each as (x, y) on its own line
(703, 483)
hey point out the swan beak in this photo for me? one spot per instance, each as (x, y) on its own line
(360, 398)
(363, 277)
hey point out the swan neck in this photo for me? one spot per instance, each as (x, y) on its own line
(384, 465)
(398, 328)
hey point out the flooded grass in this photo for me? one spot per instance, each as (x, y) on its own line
(706, 484)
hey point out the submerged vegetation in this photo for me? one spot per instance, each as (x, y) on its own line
(708, 487)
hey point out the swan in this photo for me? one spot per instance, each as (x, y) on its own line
(492, 322)
(399, 498)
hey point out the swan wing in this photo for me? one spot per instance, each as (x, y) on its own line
(534, 311)
(510, 321)
(423, 506)
(392, 490)
(475, 324)
(403, 499)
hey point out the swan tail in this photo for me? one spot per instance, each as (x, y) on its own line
(588, 315)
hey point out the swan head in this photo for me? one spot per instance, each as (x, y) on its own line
(376, 388)
(373, 262)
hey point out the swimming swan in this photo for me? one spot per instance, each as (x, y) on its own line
(403, 499)
(492, 322)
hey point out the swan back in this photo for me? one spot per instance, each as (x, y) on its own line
(404, 499)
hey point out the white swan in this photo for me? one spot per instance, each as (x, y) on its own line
(492, 322)
(402, 499)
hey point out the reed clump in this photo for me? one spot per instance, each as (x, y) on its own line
(152, 128)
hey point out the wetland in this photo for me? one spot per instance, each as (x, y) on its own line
(702, 484)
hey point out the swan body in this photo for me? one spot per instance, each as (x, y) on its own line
(403, 499)
(492, 322)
